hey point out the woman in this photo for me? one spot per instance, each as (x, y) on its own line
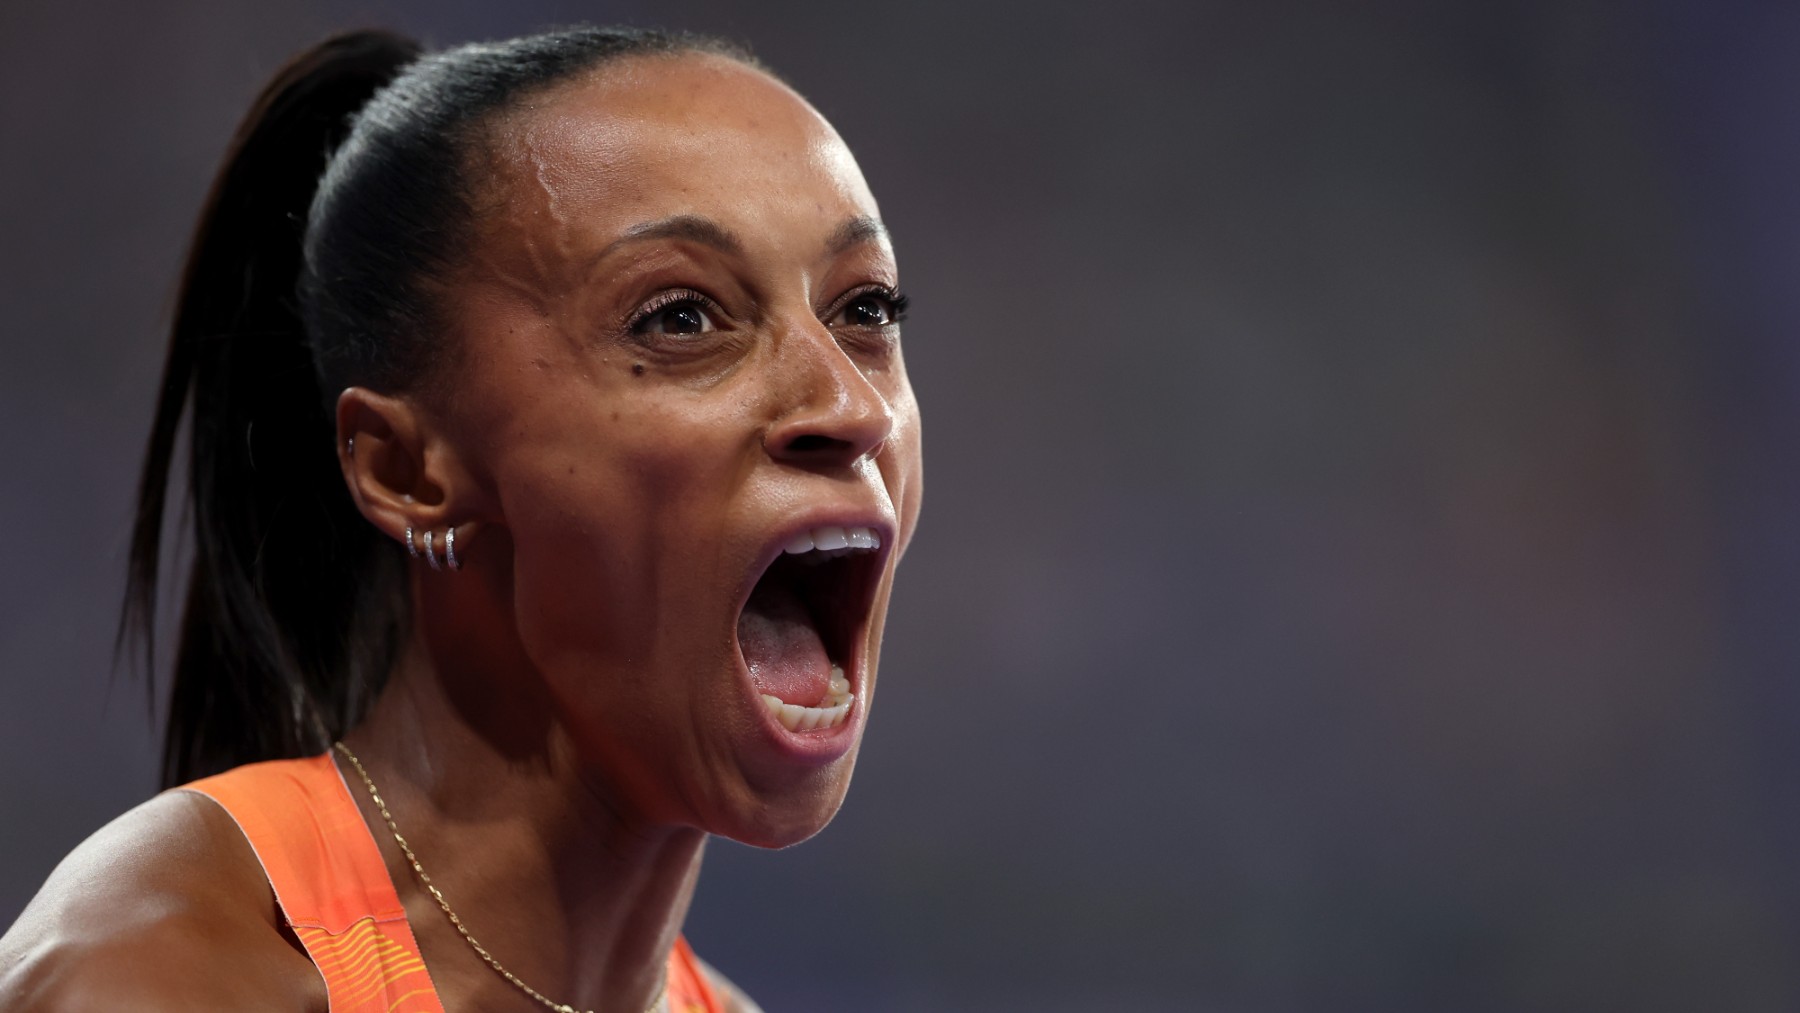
(551, 455)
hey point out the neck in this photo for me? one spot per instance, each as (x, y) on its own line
(576, 896)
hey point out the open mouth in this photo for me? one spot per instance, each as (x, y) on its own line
(799, 628)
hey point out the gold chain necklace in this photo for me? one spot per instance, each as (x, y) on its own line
(656, 1004)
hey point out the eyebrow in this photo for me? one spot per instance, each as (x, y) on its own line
(862, 229)
(690, 227)
(694, 228)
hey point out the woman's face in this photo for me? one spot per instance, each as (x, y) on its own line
(679, 361)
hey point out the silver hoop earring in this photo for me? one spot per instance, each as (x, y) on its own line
(450, 548)
(431, 553)
(412, 547)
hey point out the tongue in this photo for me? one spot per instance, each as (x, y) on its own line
(782, 647)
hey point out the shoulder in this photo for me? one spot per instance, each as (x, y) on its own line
(732, 997)
(165, 908)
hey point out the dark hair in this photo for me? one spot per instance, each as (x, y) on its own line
(345, 195)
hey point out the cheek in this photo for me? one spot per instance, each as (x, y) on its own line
(903, 466)
(616, 525)
(569, 571)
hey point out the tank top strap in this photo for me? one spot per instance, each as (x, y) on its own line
(330, 880)
(333, 887)
(689, 991)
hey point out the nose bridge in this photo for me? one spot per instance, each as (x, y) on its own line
(829, 409)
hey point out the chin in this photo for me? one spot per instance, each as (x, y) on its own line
(780, 817)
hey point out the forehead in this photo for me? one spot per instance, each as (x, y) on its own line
(650, 137)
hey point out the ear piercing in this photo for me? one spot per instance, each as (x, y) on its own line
(430, 552)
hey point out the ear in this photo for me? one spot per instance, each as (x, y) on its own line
(400, 470)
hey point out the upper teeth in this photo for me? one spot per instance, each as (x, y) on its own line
(833, 539)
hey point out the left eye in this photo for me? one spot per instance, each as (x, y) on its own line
(684, 317)
(865, 311)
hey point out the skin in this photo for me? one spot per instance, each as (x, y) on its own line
(571, 719)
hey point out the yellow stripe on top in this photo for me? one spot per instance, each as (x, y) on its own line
(365, 965)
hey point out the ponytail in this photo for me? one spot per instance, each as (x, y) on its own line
(290, 621)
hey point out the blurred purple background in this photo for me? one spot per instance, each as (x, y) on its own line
(1361, 568)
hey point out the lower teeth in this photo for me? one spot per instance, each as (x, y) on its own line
(829, 714)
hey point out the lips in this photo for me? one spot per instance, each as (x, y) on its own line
(801, 623)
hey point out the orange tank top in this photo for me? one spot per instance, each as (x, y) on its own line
(334, 890)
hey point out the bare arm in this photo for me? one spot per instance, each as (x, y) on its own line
(165, 908)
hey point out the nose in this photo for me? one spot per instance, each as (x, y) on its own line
(837, 417)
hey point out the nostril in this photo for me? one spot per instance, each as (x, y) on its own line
(814, 443)
(837, 436)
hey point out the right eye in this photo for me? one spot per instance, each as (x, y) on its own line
(677, 313)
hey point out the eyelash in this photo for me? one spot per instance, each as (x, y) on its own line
(664, 300)
(898, 304)
(898, 301)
